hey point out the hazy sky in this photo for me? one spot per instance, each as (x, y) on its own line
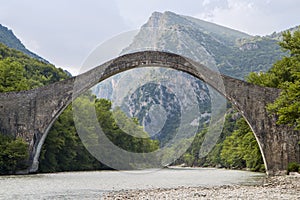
(65, 32)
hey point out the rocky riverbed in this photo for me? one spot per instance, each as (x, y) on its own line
(281, 187)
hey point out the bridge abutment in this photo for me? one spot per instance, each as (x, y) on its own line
(279, 144)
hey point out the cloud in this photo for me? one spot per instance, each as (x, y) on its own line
(64, 32)
(254, 16)
(206, 2)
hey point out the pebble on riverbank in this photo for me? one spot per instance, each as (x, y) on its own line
(281, 187)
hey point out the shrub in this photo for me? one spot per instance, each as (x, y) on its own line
(293, 167)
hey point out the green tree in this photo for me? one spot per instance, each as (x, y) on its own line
(285, 74)
(21, 72)
(13, 154)
(12, 76)
(65, 151)
(241, 150)
(236, 148)
(230, 125)
(60, 146)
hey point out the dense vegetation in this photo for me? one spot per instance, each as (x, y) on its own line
(237, 147)
(20, 72)
(63, 149)
(13, 154)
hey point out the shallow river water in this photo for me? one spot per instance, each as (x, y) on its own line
(91, 185)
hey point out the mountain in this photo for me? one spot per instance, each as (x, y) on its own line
(278, 36)
(8, 38)
(21, 69)
(174, 22)
(234, 53)
(229, 51)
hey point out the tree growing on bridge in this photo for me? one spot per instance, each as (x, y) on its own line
(285, 74)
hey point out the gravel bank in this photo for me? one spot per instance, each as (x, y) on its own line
(282, 187)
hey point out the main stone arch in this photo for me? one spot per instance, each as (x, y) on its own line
(30, 114)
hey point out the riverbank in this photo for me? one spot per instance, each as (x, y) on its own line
(280, 187)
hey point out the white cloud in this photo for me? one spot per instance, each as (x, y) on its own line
(64, 32)
(206, 2)
(254, 16)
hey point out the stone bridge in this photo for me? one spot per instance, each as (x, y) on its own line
(30, 114)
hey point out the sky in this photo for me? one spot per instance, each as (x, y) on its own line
(65, 32)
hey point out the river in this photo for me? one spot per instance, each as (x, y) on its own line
(91, 185)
